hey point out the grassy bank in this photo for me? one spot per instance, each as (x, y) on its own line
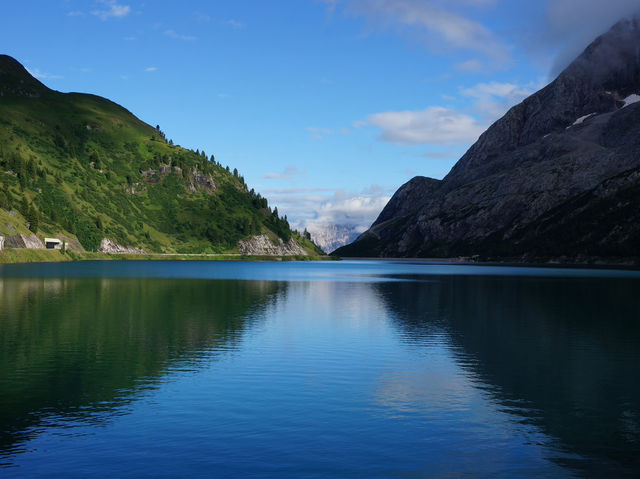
(8, 256)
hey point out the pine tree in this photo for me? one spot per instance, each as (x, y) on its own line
(33, 218)
(24, 206)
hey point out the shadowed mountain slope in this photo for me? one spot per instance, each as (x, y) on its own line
(515, 192)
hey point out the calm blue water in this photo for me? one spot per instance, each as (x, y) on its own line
(337, 369)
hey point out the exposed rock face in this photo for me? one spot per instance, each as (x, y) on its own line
(24, 242)
(1, 243)
(262, 246)
(111, 247)
(331, 236)
(197, 180)
(134, 189)
(542, 167)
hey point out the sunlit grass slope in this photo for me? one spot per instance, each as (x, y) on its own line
(78, 165)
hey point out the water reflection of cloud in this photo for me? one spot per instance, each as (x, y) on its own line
(432, 389)
(352, 306)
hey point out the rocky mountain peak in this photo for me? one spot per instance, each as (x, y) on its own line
(612, 61)
(596, 82)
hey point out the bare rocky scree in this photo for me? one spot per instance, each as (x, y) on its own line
(262, 246)
(111, 247)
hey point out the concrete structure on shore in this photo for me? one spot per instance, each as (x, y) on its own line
(52, 243)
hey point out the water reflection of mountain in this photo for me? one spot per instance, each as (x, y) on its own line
(562, 355)
(78, 348)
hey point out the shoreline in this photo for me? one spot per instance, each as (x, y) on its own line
(22, 256)
(631, 264)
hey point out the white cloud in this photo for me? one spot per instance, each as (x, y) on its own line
(235, 24)
(42, 75)
(319, 133)
(472, 66)
(202, 17)
(288, 173)
(375, 190)
(151, 69)
(439, 155)
(434, 125)
(297, 191)
(492, 100)
(345, 209)
(333, 216)
(178, 36)
(306, 207)
(113, 10)
(436, 23)
(438, 125)
(331, 5)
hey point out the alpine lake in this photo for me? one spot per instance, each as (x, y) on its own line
(318, 369)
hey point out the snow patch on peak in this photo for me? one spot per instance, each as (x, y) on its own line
(631, 99)
(581, 120)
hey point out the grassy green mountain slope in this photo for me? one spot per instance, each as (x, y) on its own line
(80, 166)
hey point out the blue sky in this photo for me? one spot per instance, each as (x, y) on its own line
(325, 106)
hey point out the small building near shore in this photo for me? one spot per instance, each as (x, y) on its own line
(1, 242)
(52, 243)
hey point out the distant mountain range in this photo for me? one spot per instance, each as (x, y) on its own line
(557, 178)
(84, 169)
(332, 236)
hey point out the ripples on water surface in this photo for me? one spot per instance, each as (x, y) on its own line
(340, 369)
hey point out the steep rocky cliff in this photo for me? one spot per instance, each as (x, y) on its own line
(261, 245)
(539, 183)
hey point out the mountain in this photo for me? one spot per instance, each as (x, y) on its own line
(331, 236)
(82, 168)
(558, 177)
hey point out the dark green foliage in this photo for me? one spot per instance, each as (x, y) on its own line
(33, 218)
(24, 206)
(88, 234)
(4, 200)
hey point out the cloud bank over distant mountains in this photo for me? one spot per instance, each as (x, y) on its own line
(333, 217)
